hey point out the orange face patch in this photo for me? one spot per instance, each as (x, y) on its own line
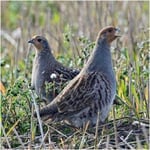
(37, 44)
(109, 32)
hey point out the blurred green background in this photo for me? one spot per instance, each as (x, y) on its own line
(22, 20)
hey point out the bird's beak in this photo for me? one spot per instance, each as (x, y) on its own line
(117, 33)
(31, 41)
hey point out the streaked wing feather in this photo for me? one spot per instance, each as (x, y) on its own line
(76, 97)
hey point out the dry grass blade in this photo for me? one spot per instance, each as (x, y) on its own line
(38, 118)
(12, 128)
(115, 128)
(8, 38)
(107, 141)
(6, 138)
(51, 144)
(96, 130)
(69, 137)
(57, 130)
(139, 146)
(128, 135)
(18, 137)
(124, 141)
(83, 136)
(43, 138)
(146, 135)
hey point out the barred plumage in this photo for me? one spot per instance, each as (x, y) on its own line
(90, 92)
(46, 69)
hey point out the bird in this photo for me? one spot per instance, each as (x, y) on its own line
(46, 70)
(90, 95)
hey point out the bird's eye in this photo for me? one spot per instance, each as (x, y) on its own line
(39, 40)
(110, 30)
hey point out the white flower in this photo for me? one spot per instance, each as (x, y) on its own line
(53, 76)
(43, 72)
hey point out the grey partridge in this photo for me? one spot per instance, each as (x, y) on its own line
(91, 93)
(46, 69)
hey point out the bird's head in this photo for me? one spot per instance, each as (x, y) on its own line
(39, 42)
(110, 33)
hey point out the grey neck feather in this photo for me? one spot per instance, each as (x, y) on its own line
(45, 57)
(46, 52)
(100, 59)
